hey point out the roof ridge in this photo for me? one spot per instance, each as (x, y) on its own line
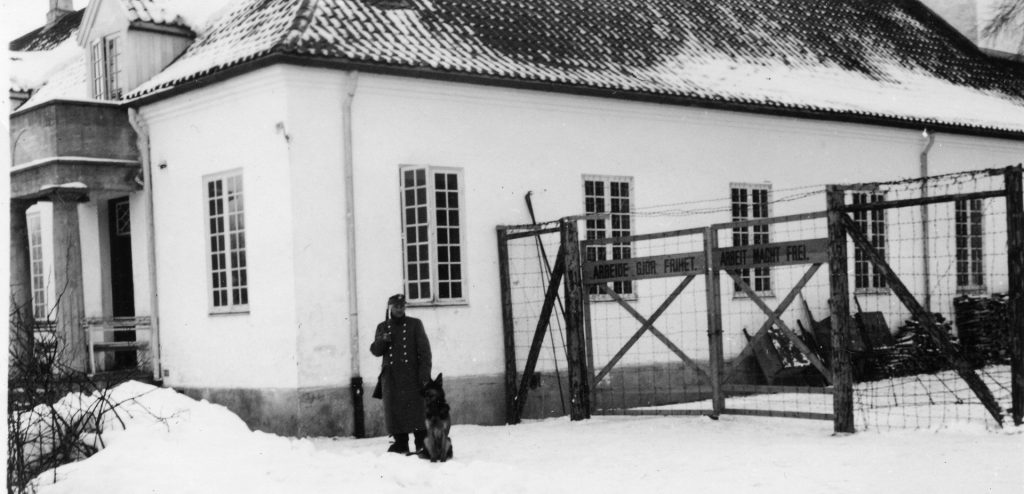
(300, 24)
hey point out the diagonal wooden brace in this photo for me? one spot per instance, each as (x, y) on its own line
(658, 334)
(815, 361)
(538, 335)
(647, 325)
(926, 319)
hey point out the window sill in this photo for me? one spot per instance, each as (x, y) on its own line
(230, 312)
(743, 295)
(971, 290)
(438, 304)
(872, 291)
(632, 297)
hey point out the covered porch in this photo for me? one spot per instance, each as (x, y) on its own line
(79, 279)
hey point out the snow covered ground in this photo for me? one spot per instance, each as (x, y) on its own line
(173, 444)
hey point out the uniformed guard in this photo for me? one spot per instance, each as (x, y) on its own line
(405, 369)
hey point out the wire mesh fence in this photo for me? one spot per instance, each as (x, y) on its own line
(531, 258)
(648, 325)
(951, 256)
(774, 316)
(740, 317)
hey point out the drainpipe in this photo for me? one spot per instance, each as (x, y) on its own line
(142, 141)
(930, 138)
(359, 428)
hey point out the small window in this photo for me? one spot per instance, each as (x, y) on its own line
(970, 274)
(751, 201)
(433, 226)
(106, 68)
(867, 276)
(38, 273)
(228, 267)
(613, 195)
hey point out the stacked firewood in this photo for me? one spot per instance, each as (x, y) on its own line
(984, 328)
(914, 352)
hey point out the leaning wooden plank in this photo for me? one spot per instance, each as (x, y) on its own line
(538, 335)
(815, 361)
(781, 309)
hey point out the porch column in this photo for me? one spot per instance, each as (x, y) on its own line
(21, 324)
(67, 273)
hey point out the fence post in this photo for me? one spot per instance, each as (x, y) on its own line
(713, 284)
(508, 326)
(839, 304)
(1015, 306)
(579, 392)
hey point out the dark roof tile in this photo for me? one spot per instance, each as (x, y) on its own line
(887, 58)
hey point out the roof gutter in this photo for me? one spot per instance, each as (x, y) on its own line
(142, 141)
(358, 419)
(485, 80)
(929, 138)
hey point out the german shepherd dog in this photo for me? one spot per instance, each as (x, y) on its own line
(439, 422)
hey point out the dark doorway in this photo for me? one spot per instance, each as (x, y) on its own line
(122, 288)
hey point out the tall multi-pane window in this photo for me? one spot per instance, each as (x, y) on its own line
(35, 252)
(106, 67)
(98, 69)
(229, 284)
(969, 219)
(866, 275)
(610, 195)
(113, 67)
(750, 201)
(432, 234)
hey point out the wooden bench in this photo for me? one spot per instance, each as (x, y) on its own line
(100, 343)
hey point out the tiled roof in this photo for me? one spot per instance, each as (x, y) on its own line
(47, 39)
(154, 11)
(880, 58)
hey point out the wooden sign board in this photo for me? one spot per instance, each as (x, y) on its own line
(813, 251)
(642, 268)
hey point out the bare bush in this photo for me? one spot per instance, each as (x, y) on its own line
(56, 414)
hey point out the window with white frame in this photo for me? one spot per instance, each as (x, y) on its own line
(38, 273)
(106, 67)
(867, 276)
(749, 202)
(229, 284)
(612, 195)
(969, 254)
(432, 234)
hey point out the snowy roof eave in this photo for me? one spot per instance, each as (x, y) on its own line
(173, 87)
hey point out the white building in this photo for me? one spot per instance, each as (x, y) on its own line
(285, 168)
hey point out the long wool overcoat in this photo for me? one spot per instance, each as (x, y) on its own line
(404, 370)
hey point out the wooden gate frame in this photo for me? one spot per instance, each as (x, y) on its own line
(647, 323)
(774, 316)
(567, 269)
(840, 225)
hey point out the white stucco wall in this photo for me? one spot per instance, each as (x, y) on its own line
(509, 142)
(212, 130)
(282, 126)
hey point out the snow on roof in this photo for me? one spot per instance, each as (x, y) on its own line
(893, 60)
(67, 83)
(193, 14)
(30, 70)
(48, 38)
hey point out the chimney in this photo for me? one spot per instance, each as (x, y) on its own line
(58, 9)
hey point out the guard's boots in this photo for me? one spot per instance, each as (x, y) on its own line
(418, 438)
(401, 444)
